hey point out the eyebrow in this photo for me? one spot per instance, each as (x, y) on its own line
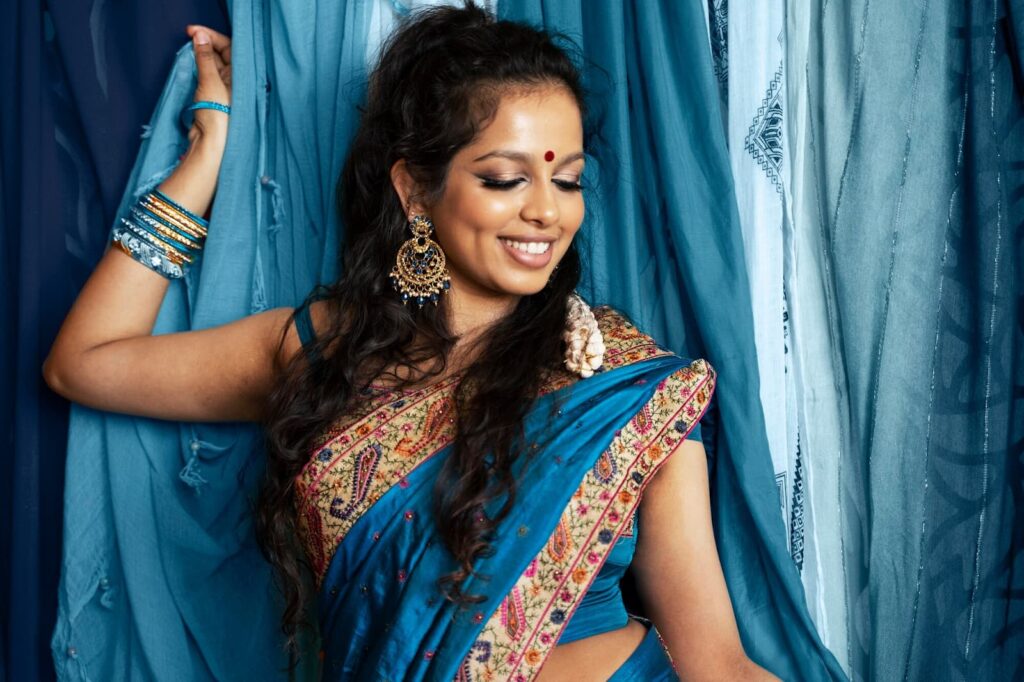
(525, 158)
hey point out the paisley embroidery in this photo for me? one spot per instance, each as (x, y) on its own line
(642, 422)
(369, 452)
(366, 461)
(605, 468)
(480, 652)
(512, 616)
(438, 414)
(559, 544)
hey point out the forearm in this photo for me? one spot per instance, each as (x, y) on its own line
(194, 181)
(746, 669)
(122, 297)
(710, 666)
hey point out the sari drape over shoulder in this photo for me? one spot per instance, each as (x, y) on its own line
(364, 502)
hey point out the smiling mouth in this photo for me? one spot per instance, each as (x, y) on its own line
(527, 247)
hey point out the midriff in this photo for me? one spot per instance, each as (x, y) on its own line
(594, 658)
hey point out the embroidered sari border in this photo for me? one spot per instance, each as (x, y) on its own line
(547, 594)
(427, 394)
(361, 471)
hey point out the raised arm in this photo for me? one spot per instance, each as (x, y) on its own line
(105, 355)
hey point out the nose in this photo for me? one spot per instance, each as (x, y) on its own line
(541, 207)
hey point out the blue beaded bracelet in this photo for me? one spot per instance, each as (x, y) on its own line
(205, 104)
(187, 114)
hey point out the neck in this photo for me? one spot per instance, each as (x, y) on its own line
(471, 313)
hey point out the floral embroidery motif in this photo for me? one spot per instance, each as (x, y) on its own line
(386, 437)
(629, 528)
(551, 590)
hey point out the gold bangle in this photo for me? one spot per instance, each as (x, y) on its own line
(153, 199)
(148, 218)
(169, 233)
(172, 216)
(181, 217)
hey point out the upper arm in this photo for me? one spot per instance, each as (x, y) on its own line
(223, 373)
(679, 576)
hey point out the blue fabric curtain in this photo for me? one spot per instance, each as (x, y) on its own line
(906, 228)
(666, 246)
(903, 218)
(79, 80)
(162, 578)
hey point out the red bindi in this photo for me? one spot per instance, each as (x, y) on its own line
(549, 155)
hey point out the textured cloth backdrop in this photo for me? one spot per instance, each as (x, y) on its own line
(902, 234)
(173, 497)
(906, 150)
(667, 247)
(79, 79)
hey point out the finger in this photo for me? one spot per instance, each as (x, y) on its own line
(206, 64)
(221, 43)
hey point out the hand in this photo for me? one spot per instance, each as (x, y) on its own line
(213, 64)
(193, 182)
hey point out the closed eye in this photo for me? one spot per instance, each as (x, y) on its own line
(494, 183)
(568, 185)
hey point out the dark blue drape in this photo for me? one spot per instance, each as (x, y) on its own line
(79, 80)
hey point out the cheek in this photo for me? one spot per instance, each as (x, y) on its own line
(487, 210)
(574, 217)
(573, 211)
(472, 214)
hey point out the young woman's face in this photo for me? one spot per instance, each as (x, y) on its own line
(512, 202)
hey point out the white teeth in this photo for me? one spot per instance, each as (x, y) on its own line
(529, 247)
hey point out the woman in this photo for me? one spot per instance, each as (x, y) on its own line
(462, 458)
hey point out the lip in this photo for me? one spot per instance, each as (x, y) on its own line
(530, 260)
(528, 239)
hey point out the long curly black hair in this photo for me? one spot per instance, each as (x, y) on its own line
(438, 81)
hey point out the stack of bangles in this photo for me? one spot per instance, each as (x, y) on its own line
(161, 234)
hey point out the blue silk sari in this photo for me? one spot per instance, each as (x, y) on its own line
(365, 509)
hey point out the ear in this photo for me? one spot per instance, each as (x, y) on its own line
(407, 188)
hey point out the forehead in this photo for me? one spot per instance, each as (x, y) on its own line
(533, 121)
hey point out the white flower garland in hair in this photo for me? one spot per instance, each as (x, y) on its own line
(584, 344)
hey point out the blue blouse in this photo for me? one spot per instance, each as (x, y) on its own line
(602, 608)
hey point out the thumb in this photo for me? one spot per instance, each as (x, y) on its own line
(205, 63)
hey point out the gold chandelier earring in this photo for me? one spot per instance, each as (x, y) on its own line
(420, 273)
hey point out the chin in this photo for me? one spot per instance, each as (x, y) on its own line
(522, 286)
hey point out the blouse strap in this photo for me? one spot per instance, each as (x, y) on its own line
(304, 326)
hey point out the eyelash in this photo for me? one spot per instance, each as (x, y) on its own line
(509, 184)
